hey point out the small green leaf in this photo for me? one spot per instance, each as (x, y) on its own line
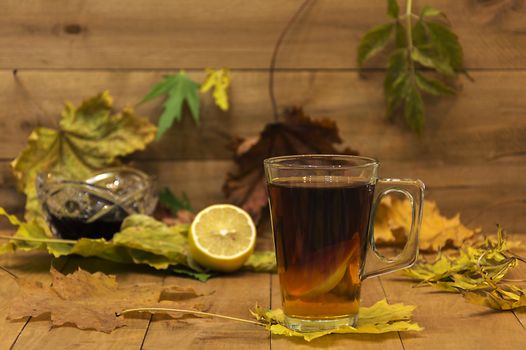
(395, 81)
(400, 36)
(433, 86)
(446, 43)
(173, 202)
(429, 11)
(420, 35)
(373, 41)
(396, 66)
(397, 94)
(414, 108)
(160, 88)
(427, 60)
(392, 8)
(178, 89)
(183, 270)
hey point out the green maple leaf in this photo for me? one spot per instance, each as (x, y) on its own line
(374, 41)
(178, 89)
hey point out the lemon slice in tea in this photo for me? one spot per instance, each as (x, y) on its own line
(324, 271)
(222, 237)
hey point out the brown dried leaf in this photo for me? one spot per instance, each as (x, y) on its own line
(393, 221)
(297, 134)
(91, 301)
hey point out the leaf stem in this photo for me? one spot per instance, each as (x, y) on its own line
(8, 272)
(274, 57)
(195, 312)
(409, 33)
(40, 240)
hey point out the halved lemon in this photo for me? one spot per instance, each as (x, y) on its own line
(222, 237)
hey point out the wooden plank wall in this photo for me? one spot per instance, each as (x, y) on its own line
(471, 155)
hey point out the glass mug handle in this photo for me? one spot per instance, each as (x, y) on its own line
(377, 264)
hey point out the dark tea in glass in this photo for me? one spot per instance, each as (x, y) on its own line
(322, 208)
(320, 231)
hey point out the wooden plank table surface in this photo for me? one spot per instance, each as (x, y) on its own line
(449, 322)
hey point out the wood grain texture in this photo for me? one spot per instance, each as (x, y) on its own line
(38, 334)
(452, 323)
(234, 33)
(234, 295)
(482, 124)
(484, 194)
(33, 266)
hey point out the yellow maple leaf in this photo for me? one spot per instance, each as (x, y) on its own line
(219, 80)
(382, 317)
(393, 221)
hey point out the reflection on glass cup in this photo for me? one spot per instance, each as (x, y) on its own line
(322, 210)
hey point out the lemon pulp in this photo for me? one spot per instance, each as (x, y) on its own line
(222, 237)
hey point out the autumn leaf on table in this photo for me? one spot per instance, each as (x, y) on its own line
(141, 240)
(92, 301)
(178, 89)
(296, 134)
(379, 318)
(477, 273)
(143, 234)
(393, 221)
(90, 137)
(472, 268)
(219, 80)
(505, 297)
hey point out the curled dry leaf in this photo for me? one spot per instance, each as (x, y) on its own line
(393, 220)
(91, 301)
(476, 272)
(505, 297)
(296, 134)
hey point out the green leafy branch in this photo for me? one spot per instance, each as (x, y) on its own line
(425, 58)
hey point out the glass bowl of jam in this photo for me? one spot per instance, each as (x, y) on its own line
(96, 206)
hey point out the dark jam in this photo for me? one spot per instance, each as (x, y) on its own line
(75, 228)
(320, 233)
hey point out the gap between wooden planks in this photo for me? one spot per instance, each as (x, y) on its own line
(233, 33)
(481, 125)
(33, 266)
(450, 322)
(236, 294)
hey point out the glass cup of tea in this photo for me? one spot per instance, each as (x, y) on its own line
(322, 211)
